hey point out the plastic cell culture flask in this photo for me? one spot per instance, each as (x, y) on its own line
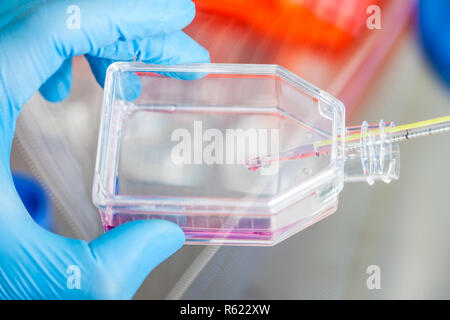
(174, 143)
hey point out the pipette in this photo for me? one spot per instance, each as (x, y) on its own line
(395, 134)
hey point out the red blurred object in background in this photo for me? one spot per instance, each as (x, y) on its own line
(325, 42)
(332, 24)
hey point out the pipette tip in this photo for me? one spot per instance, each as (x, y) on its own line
(253, 164)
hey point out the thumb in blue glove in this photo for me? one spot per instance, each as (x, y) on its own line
(37, 47)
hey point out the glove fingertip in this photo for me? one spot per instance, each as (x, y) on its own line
(56, 92)
(131, 251)
(168, 236)
(57, 87)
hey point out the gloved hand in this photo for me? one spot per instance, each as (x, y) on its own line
(37, 40)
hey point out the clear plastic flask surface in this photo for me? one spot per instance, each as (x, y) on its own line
(174, 143)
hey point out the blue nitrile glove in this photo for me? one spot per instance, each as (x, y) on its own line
(37, 40)
(434, 31)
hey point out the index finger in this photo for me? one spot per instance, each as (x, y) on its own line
(35, 44)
